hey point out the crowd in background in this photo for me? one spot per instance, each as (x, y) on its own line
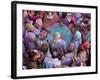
(42, 49)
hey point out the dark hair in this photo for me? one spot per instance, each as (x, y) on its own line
(44, 47)
(64, 14)
(31, 54)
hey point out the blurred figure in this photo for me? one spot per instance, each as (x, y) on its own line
(30, 41)
(76, 37)
(84, 53)
(58, 46)
(79, 18)
(32, 16)
(67, 59)
(42, 39)
(34, 59)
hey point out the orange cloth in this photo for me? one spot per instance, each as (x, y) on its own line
(86, 45)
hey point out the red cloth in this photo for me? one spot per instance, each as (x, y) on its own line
(86, 45)
(73, 19)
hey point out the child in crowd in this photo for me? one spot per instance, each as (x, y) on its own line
(35, 58)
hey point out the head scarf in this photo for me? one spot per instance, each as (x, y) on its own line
(29, 26)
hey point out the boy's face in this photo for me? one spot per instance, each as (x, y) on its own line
(36, 57)
(44, 34)
(55, 53)
(32, 37)
(71, 47)
(73, 30)
(32, 12)
(71, 26)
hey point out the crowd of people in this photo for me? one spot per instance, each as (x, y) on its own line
(56, 39)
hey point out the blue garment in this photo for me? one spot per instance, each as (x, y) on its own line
(67, 60)
(47, 63)
(28, 44)
(41, 41)
(61, 44)
(89, 36)
(31, 45)
(77, 39)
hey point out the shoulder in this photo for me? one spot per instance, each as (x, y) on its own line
(62, 41)
(78, 33)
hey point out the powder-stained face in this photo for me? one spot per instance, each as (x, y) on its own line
(35, 55)
(44, 34)
(71, 26)
(73, 31)
(71, 46)
(55, 53)
(31, 36)
(50, 15)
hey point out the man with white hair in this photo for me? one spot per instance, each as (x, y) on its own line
(58, 45)
(57, 39)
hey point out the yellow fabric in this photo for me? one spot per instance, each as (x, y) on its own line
(29, 27)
